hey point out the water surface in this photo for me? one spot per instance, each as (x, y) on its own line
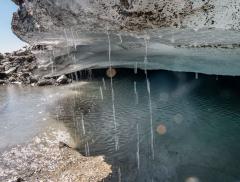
(194, 131)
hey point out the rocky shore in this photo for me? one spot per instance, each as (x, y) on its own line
(48, 158)
(20, 67)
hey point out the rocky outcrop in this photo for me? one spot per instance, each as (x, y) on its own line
(18, 67)
(43, 159)
(21, 67)
(125, 15)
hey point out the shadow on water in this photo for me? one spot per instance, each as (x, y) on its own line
(196, 123)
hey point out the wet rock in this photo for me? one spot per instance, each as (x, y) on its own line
(62, 79)
(46, 82)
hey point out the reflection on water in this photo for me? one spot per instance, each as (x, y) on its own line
(22, 114)
(196, 125)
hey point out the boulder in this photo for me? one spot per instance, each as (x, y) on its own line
(62, 79)
(45, 82)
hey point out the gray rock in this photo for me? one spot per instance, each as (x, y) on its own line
(2, 68)
(19, 180)
(2, 82)
(1, 56)
(25, 74)
(33, 79)
(2, 75)
(45, 82)
(63, 145)
(5, 63)
(12, 79)
(11, 70)
(62, 79)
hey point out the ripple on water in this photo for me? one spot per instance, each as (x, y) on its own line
(196, 133)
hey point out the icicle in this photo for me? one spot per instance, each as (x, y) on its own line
(112, 92)
(73, 40)
(149, 98)
(83, 124)
(136, 68)
(90, 74)
(101, 93)
(104, 84)
(119, 175)
(120, 38)
(76, 75)
(135, 91)
(66, 37)
(196, 76)
(138, 157)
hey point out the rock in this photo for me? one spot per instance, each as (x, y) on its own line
(6, 63)
(2, 68)
(2, 82)
(25, 74)
(62, 79)
(11, 70)
(21, 52)
(17, 83)
(32, 66)
(19, 180)
(1, 56)
(17, 2)
(3, 75)
(45, 82)
(12, 79)
(63, 145)
(33, 79)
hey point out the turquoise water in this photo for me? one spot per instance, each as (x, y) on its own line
(194, 135)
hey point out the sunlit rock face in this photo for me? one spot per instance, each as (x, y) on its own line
(75, 32)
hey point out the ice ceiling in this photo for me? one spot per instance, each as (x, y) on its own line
(180, 35)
